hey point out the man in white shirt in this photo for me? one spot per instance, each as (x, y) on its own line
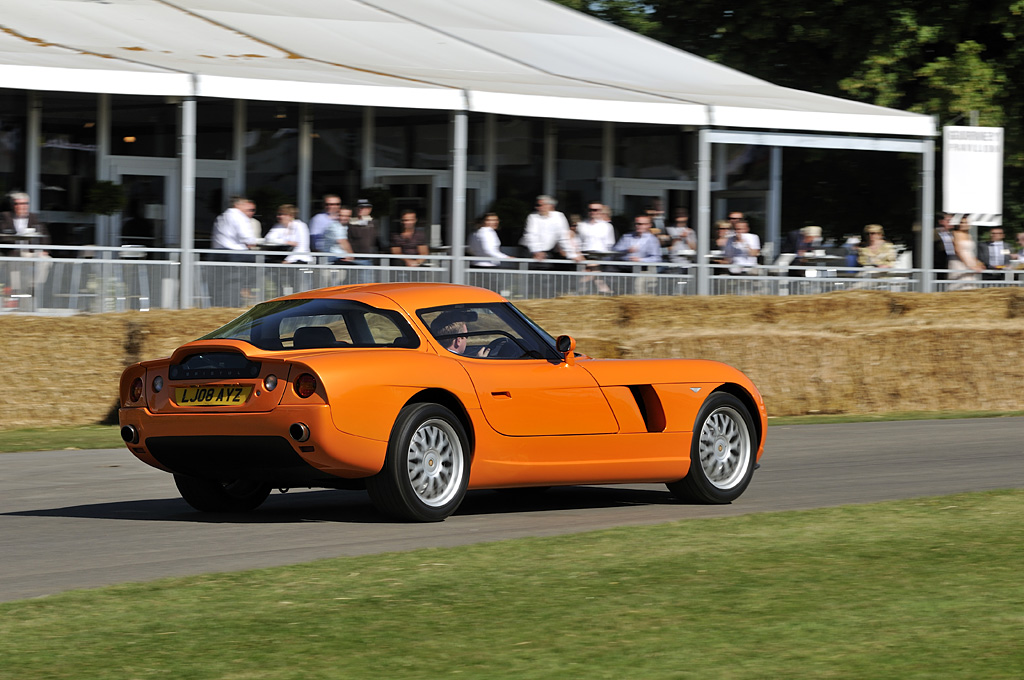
(233, 229)
(595, 233)
(546, 231)
(231, 232)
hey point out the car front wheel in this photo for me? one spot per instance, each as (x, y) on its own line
(426, 470)
(211, 495)
(721, 453)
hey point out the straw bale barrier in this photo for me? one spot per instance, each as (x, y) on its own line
(850, 352)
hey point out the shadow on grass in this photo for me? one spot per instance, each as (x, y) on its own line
(354, 506)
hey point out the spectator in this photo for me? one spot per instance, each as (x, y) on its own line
(20, 225)
(965, 268)
(723, 232)
(1018, 258)
(336, 236)
(362, 234)
(640, 245)
(571, 249)
(808, 241)
(945, 252)
(995, 254)
(596, 234)
(485, 242)
(233, 228)
(291, 232)
(546, 231)
(321, 221)
(681, 237)
(742, 249)
(20, 221)
(232, 232)
(409, 241)
(877, 252)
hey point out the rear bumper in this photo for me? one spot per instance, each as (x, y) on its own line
(253, 445)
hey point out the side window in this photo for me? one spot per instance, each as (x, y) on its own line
(309, 332)
(482, 332)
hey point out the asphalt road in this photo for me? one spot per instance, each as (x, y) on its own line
(79, 519)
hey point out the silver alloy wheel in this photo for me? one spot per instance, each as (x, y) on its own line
(725, 447)
(435, 462)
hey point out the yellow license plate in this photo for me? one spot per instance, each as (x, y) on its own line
(212, 395)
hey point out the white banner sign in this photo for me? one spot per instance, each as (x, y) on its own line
(972, 173)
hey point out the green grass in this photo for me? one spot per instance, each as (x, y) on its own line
(58, 439)
(108, 437)
(914, 589)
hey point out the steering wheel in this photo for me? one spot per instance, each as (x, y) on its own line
(497, 347)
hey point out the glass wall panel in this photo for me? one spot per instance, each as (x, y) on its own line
(13, 130)
(143, 126)
(337, 153)
(68, 152)
(578, 171)
(520, 172)
(652, 152)
(476, 154)
(271, 158)
(411, 139)
(215, 124)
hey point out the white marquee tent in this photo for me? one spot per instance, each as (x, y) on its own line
(516, 57)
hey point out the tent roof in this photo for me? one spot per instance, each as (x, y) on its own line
(519, 57)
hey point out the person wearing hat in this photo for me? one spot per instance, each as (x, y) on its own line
(362, 235)
(876, 251)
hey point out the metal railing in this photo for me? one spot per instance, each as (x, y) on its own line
(92, 279)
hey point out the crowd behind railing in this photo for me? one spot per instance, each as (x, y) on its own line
(557, 256)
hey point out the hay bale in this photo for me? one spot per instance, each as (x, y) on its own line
(849, 352)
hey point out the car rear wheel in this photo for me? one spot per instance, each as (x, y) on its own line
(211, 495)
(721, 452)
(427, 466)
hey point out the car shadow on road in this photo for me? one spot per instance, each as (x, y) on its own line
(355, 507)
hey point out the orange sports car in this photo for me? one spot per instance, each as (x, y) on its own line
(417, 392)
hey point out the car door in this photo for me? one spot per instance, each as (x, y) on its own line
(534, 397)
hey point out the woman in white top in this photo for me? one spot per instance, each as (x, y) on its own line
(291, 232)
(966, 267)
(485, 242)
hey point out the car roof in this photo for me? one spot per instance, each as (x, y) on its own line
(411, 296)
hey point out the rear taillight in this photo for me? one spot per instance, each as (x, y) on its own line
(305, 385)
(135, 393)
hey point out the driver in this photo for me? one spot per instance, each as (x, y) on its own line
(450, 329)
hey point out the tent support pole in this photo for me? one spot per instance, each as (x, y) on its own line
(703, 211)
(927, 259)
(188, 199)
(460, 144)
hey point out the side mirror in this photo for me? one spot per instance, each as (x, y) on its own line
(567, 346)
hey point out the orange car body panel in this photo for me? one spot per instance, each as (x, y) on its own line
(530, 422)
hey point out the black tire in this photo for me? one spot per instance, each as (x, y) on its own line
(426, 470)
(211, 495)
(722, 453)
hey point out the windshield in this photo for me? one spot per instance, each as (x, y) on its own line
(318, 324)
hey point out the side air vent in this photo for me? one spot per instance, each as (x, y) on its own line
(650, 407)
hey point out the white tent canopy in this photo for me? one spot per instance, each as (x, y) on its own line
(517, 57)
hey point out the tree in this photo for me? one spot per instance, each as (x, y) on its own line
(941, 59)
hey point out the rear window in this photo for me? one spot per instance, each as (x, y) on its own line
(318, 324)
